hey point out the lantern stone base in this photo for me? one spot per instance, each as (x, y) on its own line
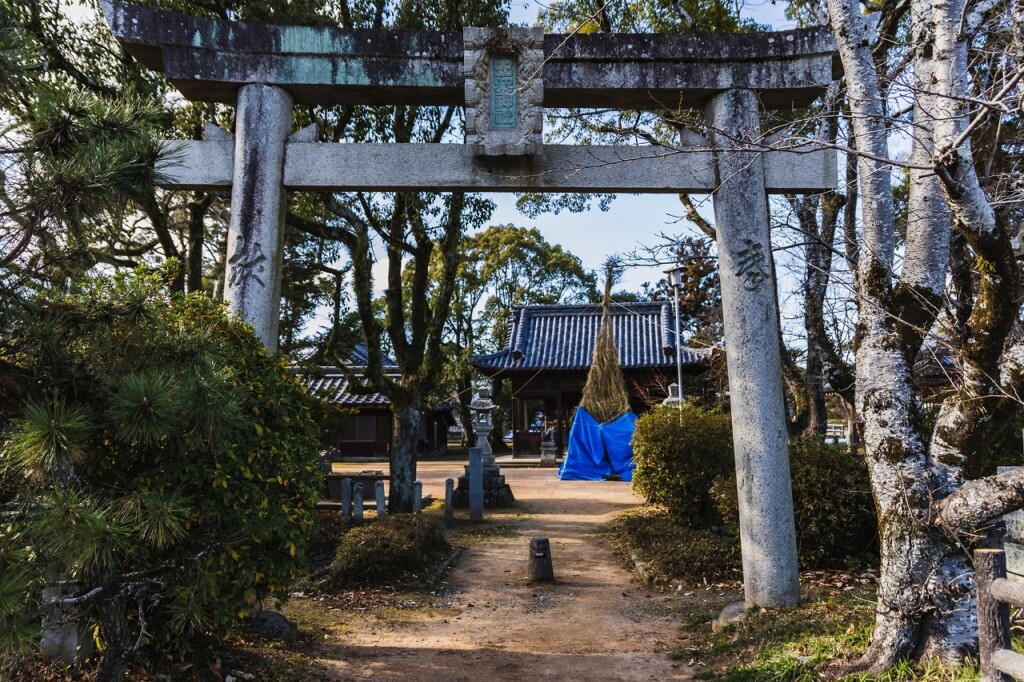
(497, 493)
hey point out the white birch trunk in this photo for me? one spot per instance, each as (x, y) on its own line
(926, 606)
(895, 451)
(928, 227)
(963, 506)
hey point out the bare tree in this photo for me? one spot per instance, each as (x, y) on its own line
(929, 512)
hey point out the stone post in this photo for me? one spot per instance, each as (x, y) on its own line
(417, 497)
(346, 499)
(61, 637)
(378, 490)
(476, 484)
(357, 502)
(767, 532)
(449, 509)
(252, 281)
(540, 568)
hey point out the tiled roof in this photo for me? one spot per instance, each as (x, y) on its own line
(562, 337)
(333, 384)
(360, 358)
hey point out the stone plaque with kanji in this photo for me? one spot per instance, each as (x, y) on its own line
(504, 90)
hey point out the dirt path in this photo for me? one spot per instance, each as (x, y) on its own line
(593, 624)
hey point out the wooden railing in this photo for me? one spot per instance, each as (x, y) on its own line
(995, 596)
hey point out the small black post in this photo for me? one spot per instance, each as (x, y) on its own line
(541, 570)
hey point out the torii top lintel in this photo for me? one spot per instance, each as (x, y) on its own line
(209, 59)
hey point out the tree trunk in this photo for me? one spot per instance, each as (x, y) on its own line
(817, 415)
(464, 386)
(894, 449)
(498, 427)
(404, 453)
(817, 270)
(927, 511)
(117, 639)
(198, 209)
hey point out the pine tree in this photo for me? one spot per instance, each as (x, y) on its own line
(164, 470)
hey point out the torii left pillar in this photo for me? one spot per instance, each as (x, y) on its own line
(263, 122)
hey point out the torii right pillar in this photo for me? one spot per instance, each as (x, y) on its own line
(750, 309)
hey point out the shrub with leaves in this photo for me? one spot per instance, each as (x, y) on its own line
(167, 470)
(676, 550)
(678, 453)
(836, 522)
(397, 547)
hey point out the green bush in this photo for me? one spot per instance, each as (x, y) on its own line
(836, 523)
(167, 467)
(396, 548)
(678, 455)
(675, 550)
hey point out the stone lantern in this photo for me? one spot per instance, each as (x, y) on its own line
(497, 492)
(483, 422)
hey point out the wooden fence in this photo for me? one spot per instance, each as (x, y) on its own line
(995, 596)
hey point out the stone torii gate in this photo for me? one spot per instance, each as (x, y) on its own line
(504, 78)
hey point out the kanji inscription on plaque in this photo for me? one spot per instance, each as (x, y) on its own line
(504, 69)
(503, 91)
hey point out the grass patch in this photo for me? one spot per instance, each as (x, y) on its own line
(786, 644)
(674, 551)
(795, 644)
(832, 624)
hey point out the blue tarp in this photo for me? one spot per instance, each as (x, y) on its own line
(598, 451)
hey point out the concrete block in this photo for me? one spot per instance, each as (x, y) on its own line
(449, 509)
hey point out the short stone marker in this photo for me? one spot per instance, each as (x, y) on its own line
(541, 570)
(417, 497)
(61, 637)
(346, 499)
(357, 503)
(449, 490)
(378, 489)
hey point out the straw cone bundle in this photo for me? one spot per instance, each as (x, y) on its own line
(604, 395)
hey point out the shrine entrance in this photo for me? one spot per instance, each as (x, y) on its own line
(504, 78)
